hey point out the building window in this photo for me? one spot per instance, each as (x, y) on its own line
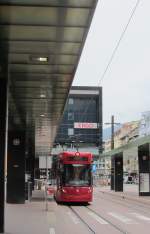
(70, 116)
(70, 131)
(71, 101)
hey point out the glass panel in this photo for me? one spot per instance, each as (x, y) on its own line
(70, 131)
(71, 3)
(30, 15)
(71, 101)
(77, 175)
(70, 116)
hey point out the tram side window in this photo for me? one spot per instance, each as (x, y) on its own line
(61, 174)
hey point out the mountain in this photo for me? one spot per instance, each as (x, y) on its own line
(107, 132)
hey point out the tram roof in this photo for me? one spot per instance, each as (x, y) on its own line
(76, 157)
(41, 43)
(76, 153)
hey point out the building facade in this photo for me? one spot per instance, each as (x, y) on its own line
(144, 129)
(125, 134)
(81, 126)
(82, 119)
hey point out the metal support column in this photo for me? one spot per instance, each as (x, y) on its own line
(3, 144)
(144, 169)
(100, 121)
(118, 173)
(16, 167)
(112, 132)
(46, 185)
(112, 172)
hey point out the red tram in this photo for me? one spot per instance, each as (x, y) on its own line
(74, 177)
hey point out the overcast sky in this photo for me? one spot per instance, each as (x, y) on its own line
(126, 85)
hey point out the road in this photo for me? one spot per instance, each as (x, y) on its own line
(107, 214)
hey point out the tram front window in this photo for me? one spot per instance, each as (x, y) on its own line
(77, 175)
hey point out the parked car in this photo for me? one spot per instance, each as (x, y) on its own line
(128, 179)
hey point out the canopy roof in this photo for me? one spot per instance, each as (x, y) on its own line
(41, 42)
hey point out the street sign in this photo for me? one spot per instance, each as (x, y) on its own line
(94, 168)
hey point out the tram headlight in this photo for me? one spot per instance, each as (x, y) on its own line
(89, 190)
(64, 190)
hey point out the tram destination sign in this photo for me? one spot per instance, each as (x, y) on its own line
(77, 158)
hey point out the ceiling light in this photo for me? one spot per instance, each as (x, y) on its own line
(42, 115)
(38, 59)
(42, 59)
(42, 95)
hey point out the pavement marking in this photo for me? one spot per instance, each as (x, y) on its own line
(139, 216)
(51, 216)
(73, 217)
(122, 218)
(97, 218)
(52, 231)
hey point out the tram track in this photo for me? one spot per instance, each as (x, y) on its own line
(108, 221)
(83, 221)
(98, 215)
(136, 206)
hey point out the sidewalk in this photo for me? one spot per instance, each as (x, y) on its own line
(130, 193)
(28, 218)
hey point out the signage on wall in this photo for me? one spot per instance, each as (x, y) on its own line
(16, 141)
(144, 182)
(144, 157)
(94, 168)
(86, 125)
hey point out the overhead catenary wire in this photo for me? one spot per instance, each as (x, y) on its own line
(84, 113)
(115, 50)
(119, 41)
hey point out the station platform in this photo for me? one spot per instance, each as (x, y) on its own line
(28, 218)
(130, 193)
(32, 216)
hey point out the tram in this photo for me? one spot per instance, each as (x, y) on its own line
(74, 177)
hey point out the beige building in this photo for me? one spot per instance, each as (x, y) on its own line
(128, 132)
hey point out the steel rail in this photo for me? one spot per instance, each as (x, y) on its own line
(83, 221)
(108, 221)
(136, 206)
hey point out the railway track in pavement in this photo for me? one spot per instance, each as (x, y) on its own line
(97, 217)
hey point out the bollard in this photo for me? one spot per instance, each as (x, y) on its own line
(46, 198)
(29, 191)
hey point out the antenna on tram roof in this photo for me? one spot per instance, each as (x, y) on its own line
(76, 141)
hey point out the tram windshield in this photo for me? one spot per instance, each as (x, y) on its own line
(77, 175)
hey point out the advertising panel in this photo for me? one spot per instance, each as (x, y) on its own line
(42, 162)
(144, 182)
(86, 125)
